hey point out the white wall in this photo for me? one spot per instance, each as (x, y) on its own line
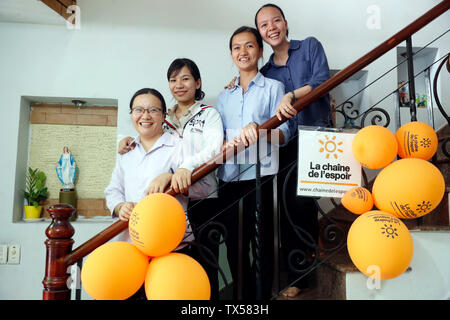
(124, 46)
(428, 279)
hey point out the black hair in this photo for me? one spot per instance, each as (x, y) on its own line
(178, 64)
(248, 29)
(153, 92)
(273, 6)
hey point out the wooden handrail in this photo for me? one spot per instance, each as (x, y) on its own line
(272, 123)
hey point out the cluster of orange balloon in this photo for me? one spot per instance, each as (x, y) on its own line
(116, 270)
(407, 188)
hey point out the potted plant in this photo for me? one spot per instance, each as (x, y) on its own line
(34, 193)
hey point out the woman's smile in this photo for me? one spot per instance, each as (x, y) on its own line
(148, 123)
(245, 51)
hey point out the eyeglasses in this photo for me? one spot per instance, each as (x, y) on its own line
(138, 111)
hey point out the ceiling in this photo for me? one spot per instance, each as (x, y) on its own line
(166, 14)
(28, 11)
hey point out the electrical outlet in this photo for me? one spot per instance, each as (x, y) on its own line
(14, 254)
(3, 254)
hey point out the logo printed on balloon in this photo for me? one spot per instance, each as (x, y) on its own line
(360, 194)
(134, 219)
(426, 142)
(134, 234)
(423, 207)
(404, 210)
(389, 231)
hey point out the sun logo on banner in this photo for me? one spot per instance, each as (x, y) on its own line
(330, 147)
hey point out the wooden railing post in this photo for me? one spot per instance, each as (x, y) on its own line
(58, 245)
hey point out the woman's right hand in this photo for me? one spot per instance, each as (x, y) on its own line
(249, 134)
(125, 210)
(181, 181)
(285, 108)
(230, 144)
(159, 184)
(231, 84)
(125, 145)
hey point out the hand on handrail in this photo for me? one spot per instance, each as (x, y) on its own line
(124, 210)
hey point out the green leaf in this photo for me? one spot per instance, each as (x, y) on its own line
(35, 190)
(41, 176)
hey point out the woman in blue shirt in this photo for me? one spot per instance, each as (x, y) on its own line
(301, 66)
(251, 101)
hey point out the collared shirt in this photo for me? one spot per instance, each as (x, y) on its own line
(237, 108)
(179, 124)
(201, 127)
(307, 65)
(135, 170)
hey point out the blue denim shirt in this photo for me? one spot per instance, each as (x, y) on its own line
(237, 109)
(307, 64)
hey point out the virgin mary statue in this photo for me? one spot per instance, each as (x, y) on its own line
(66, 169)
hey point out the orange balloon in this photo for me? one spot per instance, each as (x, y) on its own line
(380, 245)
(416, 140)
(374, 147)
(114, 271)
(176, 276)
(357, 200)
(408, 188)
(157, 224)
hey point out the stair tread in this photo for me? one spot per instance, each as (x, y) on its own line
(341, 262)
(431, 228)
(306, 294)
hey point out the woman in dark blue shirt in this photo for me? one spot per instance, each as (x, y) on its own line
(301, 66)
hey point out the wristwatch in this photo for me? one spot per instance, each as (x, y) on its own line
(293, 97)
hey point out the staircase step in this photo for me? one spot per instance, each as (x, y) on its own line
(306, 294)
(331, 275)
(329, 280)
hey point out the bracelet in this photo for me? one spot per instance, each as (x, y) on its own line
(293, 97)
(118, 207)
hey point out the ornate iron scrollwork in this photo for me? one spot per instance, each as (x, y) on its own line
(446, 141)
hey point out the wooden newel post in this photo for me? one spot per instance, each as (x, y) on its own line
(59, 244)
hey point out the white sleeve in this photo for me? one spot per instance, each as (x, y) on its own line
(200, 189)
(115, 191)
(211, 142)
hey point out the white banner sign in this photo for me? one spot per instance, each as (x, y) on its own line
(326, 166)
